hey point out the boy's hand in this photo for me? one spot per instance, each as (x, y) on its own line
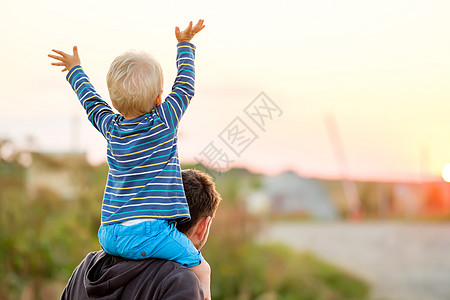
(66, 60)
(187, 34)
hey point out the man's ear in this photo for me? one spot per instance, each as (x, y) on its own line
(158, 99)
(202, 228)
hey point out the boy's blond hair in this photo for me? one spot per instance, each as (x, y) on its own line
(134, 81)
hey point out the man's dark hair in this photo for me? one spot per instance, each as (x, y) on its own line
(201, 196)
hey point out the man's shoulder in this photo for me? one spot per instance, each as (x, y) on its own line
(163, 279)
(179, 282)
(175, 270)
(171, 273)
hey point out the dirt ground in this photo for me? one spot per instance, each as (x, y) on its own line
(402, 261)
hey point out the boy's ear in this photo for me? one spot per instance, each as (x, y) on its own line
(158, 99)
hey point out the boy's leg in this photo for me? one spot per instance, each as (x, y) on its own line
(156, 238)
(166, 242)
(125, 241)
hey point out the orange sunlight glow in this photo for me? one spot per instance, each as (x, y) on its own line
(446, 173)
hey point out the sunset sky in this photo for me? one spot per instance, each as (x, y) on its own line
(380, 69)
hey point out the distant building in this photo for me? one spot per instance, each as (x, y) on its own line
(290, 194)
(405, 199)
(63, 174)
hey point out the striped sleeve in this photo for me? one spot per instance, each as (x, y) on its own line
(176, 103)
(98, 111)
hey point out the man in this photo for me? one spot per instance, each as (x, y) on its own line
(102, 276)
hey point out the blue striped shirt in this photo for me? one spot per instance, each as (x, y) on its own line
(144, 178)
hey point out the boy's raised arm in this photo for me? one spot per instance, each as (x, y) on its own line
(177, 101)
(98, 111)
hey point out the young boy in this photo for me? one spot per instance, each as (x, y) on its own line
(144, 195)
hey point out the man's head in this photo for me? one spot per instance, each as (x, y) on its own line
(135, 83)
(203, 200)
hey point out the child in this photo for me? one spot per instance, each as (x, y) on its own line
(144, 195)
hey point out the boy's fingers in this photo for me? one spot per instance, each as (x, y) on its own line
(56, 57)
(199, 26)
(199, 23)
(75, 50)
(189, 26)
(177, 31)
(63, 54)
(198, 29)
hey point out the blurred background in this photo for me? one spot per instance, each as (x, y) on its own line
(323, 124)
